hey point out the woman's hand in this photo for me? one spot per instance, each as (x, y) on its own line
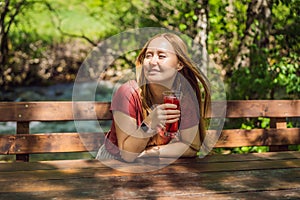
(162, 114)
(150, 152)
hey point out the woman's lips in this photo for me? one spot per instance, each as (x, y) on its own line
(153, 71)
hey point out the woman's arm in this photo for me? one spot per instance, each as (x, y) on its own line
(132, 140)
(187, 147)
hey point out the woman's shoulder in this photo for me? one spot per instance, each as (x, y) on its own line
(132, 84)
(126, 98)
(128, 88)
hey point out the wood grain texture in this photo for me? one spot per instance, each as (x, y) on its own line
(75, 142)
(81, 110)
(50, 143)
(258, 176)
(54, 111)
(258, 137)
(263, 108)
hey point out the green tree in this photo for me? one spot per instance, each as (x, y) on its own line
(10, 10)
(16, 39)
(254, 44)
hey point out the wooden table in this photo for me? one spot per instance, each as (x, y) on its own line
(247, 176)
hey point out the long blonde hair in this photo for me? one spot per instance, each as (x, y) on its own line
(189, 72)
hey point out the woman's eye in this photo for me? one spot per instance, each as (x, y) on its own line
(148, 55)
(162, 56)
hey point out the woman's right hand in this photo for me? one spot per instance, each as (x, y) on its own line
(162, 114)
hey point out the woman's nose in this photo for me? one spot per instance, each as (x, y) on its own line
(154, 60)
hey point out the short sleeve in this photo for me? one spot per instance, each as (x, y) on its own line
(126, 99)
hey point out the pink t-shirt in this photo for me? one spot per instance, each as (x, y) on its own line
(127, 100)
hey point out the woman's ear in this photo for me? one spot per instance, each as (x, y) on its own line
(179, 66)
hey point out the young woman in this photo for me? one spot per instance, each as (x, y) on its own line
(140, 114)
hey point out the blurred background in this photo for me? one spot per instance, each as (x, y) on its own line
(254, 43)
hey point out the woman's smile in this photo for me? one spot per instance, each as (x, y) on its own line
(153, 71)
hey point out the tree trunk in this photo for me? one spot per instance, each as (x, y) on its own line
(3, 36)
(202, 27)
(257, 31)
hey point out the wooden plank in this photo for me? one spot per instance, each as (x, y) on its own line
(22, 128)
(50, 143)
(259, 108)
(257, 137)
(72, 142)
(54, 111)
(85, 193)
(283, 155)
(215, 163)
(101, 170)
(51, 170)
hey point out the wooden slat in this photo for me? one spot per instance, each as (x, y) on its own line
(50, 167)
(258, 137)
(221, 158)
(218, 159)
(54, 111)
(72, 142)
(84, 193)
(234, 159)
(50, 143)
(258, 108)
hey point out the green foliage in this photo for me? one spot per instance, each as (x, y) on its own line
(274, 70)
(287, 68)
(294, 147)
(255, 149)
(264, 122)
(41, 20)
(226, 29)
(277, 79)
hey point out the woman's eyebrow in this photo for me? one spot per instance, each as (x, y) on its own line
(159, 50)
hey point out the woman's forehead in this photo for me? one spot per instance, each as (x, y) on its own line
(160, 44)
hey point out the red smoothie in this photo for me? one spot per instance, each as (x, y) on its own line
(173, 127)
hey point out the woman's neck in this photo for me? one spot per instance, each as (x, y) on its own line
(156, 91)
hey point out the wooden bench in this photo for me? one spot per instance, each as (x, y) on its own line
(269, 175)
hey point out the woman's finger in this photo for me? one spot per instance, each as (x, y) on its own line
(169, 106)
(169, 121)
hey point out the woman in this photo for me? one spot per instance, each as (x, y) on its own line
(140, 114)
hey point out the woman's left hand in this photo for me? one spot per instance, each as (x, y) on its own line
(150, 152)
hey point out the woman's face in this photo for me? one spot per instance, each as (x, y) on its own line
(161, 63)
